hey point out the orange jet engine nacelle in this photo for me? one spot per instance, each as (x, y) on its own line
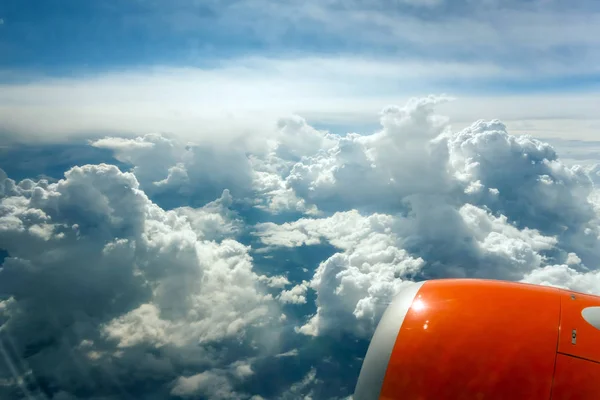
(482, 340)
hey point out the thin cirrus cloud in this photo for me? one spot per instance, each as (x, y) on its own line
(212, 68)
(536, 36)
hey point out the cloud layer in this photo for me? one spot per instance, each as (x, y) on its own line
(240, 99)
(158, 282)
(122, 292)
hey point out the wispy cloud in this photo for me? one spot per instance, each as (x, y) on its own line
(249, 94)
(538, 36)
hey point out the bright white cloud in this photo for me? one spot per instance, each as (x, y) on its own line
(277, 281)
(214, 220)
(296, 295)
(140, 293)
(186, 174)
(475, 203)
(93, 261)
(240, 101)
(354, 286)
(567, 277)
(352, 170)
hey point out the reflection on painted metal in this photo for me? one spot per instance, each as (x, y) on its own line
(592, 316)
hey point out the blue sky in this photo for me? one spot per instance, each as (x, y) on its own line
(334, 62)
(63, 37)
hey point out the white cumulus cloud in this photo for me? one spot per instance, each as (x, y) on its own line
(169, 277)
(106, 276)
